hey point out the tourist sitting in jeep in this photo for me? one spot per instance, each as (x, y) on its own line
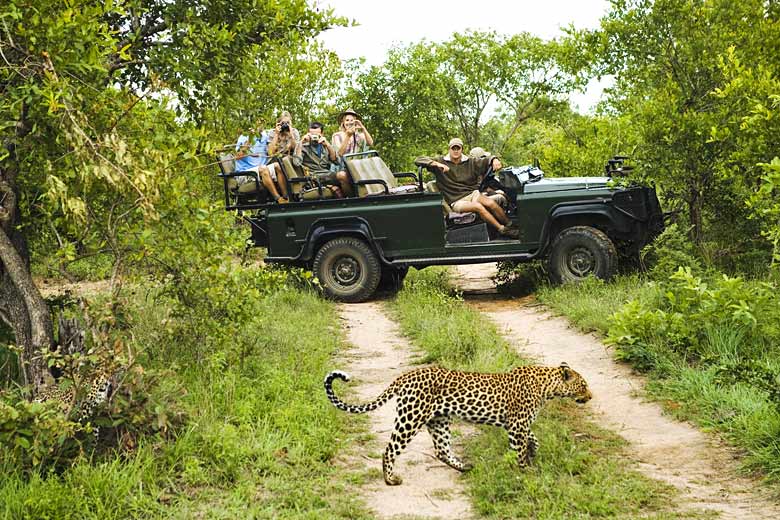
(320, 159)
(458, 178)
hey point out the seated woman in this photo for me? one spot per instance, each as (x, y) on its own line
(352, 137)
(284, 140)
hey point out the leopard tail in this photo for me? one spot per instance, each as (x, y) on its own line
(363, 408)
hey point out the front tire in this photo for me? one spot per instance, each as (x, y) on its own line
(581, 251)
(348, 269)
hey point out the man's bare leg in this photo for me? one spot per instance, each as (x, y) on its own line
(495, 209)
(482, 211)
(343, 179)
(281, 179)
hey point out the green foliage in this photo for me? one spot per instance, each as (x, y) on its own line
(35, 435)
(427, 92)
(689, 307)
(671, 250)
(258, 436)
(699, 116)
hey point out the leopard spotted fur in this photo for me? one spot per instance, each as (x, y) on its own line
(433, 396)
(96, 393)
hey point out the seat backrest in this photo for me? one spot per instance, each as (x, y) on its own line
(432, 187)
(381, 171)
(291, 171)
(363, 170)
(227, 164)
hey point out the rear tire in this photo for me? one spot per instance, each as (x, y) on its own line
(347, 269)
(581, 251)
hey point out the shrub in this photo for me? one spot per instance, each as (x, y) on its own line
(671, 250)
(682, 314)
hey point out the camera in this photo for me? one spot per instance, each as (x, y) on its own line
(314, 138)
(284, 127)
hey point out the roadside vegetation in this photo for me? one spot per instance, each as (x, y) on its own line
(707, 340)
(221, 415)
(580, 470)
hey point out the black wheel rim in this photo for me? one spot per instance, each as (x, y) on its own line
(345, 271)
(581, 262)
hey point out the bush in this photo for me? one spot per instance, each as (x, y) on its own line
(671, 250)
(520, 279)
(684, 310)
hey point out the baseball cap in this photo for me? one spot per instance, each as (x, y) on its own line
(455, 141)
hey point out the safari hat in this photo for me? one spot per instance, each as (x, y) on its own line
(455, 141)
(478, 152)
(346, 113)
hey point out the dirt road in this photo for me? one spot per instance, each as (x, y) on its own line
(700, 467)
(378, 355)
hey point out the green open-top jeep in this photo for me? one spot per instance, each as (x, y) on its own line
(355, 245)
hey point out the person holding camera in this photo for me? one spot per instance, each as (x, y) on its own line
(458, 178)
(319, 158)
(284, 140)
(252, 155)
(353, 136)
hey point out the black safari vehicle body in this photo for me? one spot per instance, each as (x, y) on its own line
(356, 244)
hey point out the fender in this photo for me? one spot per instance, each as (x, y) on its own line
(593, 210)
(326, 229)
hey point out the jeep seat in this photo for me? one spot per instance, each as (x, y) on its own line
(249, 190)
(303, 186)
(451, 218)
(371, 176)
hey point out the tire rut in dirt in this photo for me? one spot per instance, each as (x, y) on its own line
(378, 355)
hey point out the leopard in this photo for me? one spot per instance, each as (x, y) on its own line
(84, 394)
(96, 392)
(433, 396)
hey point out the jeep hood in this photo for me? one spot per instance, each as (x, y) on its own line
(548, 184)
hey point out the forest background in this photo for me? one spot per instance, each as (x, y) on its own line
(111, 113)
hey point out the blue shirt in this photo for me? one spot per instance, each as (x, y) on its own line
(257, 155)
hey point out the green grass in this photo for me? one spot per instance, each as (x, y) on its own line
(719, 384)
(581, 470)
(259, 440)
(590, 304)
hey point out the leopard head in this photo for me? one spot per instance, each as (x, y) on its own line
(571, 384)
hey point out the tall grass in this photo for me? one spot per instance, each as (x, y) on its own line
(580, 470)
(259, 441)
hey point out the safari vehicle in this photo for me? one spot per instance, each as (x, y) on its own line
(358, 244)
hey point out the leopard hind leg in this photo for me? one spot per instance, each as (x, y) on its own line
(407, 424)
(439, 428)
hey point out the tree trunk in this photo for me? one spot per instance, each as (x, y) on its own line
(21, 305)
(25, 310)
(695, 214)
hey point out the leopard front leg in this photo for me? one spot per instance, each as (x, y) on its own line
(439, 428)
(522, 441)
(400, 438)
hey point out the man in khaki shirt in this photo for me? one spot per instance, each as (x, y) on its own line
(458, 178)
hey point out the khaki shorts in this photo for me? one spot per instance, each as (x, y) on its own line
(272, 170)
(471, 197)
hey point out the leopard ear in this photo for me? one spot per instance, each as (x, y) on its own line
(566, 371)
